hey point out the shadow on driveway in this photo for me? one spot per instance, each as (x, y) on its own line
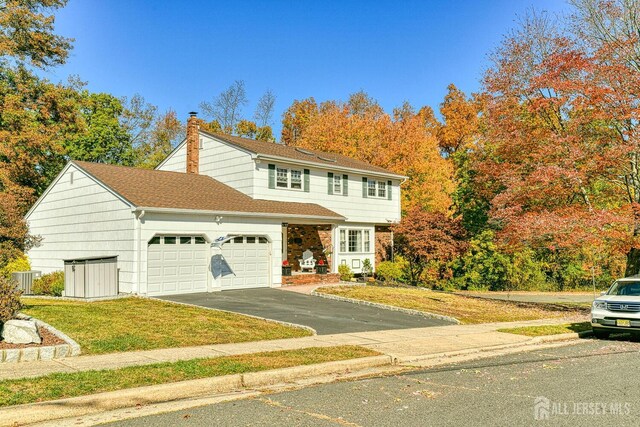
(324, 315)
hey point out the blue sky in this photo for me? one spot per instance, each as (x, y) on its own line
(179, 53)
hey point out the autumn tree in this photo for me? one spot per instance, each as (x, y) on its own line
(360, 128)
(163, 135)
(428, 240)
(562, 139)
(35, 115)
(26, 33)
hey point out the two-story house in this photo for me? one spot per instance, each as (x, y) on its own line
(220, 212)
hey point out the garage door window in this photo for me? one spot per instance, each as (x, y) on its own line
(251, 239)
(169, 240)
(185, 240)
(199, 240)
(154, 240)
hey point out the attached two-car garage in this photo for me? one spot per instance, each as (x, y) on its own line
(181, 264)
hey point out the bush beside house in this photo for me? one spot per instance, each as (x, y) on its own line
(20, 263)
(9, 299)
(49, 284)
(346, 274)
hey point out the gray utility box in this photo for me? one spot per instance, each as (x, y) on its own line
(25, 280)
(94, 277)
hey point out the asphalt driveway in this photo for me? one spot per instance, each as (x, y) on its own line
(324, 315)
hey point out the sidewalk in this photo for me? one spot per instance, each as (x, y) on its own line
(401, 344)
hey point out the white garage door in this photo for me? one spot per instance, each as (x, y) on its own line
(177, 265)
(249, 258)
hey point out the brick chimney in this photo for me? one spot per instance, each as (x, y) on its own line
(193, 144)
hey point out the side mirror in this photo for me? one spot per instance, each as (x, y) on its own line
(603, 293)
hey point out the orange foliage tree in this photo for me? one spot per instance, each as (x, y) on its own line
(403, 142)
(562, 145)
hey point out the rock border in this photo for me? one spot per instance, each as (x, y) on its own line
(50, 352)
(388, 307)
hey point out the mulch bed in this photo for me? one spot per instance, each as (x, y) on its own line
(47, 339)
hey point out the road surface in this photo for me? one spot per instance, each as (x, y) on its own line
(591, 383)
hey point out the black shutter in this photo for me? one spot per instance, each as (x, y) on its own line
(272, 176)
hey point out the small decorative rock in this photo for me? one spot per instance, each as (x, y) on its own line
(20, 332)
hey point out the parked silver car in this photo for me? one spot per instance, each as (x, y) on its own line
(618, 309)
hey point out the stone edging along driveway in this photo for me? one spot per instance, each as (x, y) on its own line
(388, 307)
(29, 354)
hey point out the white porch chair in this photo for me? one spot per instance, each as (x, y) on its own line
(308, 262)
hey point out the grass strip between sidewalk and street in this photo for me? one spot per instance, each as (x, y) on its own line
(64, 385)
(466, 309)
(130, 324)
(542, 330)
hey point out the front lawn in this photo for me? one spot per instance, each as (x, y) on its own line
(465, 309)
(538, 331)
(59, 386)
(130, 324)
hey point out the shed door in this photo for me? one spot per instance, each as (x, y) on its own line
(177, 265)
(249, 257)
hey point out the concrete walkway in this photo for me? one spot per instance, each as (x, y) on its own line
(401, 344)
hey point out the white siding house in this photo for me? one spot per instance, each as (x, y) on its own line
(219, 213)
(78, 217)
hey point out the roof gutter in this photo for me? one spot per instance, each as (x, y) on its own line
(235, 213)
(329, 166)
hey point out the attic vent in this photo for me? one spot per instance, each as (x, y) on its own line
(303, 151)
(327, 159)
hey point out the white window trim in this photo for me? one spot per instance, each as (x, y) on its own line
(301, 174)
(362, 250)
(279, 182)
(289, 175)
(378, 184)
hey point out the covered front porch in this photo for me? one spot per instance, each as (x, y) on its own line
(317, 238)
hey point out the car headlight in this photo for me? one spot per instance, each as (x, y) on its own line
(599, 305)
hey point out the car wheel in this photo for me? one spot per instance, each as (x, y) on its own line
(601, 334)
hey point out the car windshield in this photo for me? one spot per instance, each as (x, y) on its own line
(625, 288)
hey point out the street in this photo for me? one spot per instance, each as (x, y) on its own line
(590, 383)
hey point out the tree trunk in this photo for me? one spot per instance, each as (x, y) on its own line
(633, 262)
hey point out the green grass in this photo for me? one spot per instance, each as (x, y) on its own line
(130, 324)
(538, 331)
(465, 309)
(63, 385)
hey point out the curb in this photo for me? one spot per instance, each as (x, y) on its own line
(388, 307)
(562, 337)
(91, 404)
(546, 339)
(50, 352)
(293, 325)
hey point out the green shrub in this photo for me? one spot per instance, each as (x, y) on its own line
(49, 284)
(20, 263)
(9, 299)
(366, 267)
(391, 272)
(345, 273)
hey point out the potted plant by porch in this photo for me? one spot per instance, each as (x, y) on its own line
(321, 267)
(286, 268)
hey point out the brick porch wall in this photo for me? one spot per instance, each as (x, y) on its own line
(303, 237)
(383, 243)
